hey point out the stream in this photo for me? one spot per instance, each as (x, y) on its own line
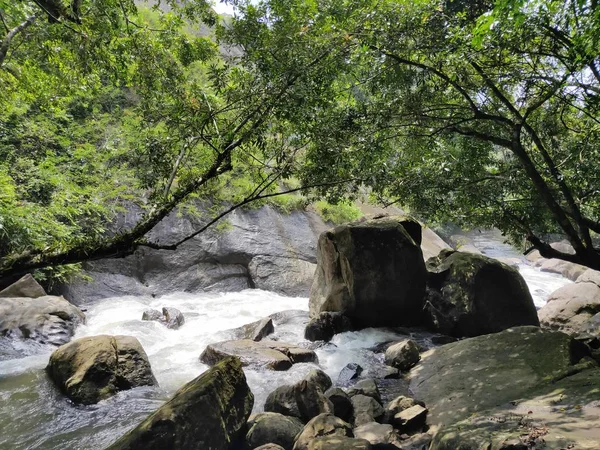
(34, 415)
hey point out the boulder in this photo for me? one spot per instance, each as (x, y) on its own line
(419, 441)
(320, 426)
(403, 355)
(283, 401)
(152, 315)
(325, 325)
(270, 447)
(486, 390)
(349, 372)
(303, 400)
(571, 307)
(342, 404)
(366, 409)
(589, 276)
(567, 269)
(339, 443)
(410, 419)
(432, 244)
(379, 435)
(270, 354)
(255, 331)
(273, 428)
(173, 318)
(47, 319)
(471, 295)
(366, 387)
(94, 368)
(25, 286)
(398, 405)
(209, 412)
(320, 378)
(373, 272)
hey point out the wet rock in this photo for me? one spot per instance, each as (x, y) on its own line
(94, 368)
(381, 436)
(471, 295)
(339, 443)
(25, 286)
(366, 387)
(152, 314)
(173, 318)
(403, 355)
(270, 354)
(47, 319)
(349, 372)
(410, 419)
(366, 409)
(326, 325)
(342, 404)
(272, 428)
(209, 412)
(255, 331)
(310, 400)
(320, 378)
(321, 426)
(373, 272)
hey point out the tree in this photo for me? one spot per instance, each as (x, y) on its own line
(484, 114)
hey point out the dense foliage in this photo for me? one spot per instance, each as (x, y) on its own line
(481, 113)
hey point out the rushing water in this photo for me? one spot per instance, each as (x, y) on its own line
(34, 415)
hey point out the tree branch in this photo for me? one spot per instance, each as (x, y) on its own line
(5, 44)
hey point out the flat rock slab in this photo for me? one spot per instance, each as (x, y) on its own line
(270, 354)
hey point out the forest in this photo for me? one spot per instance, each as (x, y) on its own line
(477, 113)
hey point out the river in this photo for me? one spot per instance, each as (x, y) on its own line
(34, 415)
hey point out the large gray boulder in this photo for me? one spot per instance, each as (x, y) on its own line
(471, 295)
(47, 319)
(274, 428)
(95, 368)
(209, 412)
(303, 400)
(272, 355)
(372, 272)
(25, 286)
(486, 390)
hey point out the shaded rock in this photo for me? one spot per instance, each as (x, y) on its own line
(342, 404)
(26, 286)
(46, 319)
(283, 401)
(94, 368)
(349, 372)
(255, 331)
(379, 435)
(209, 412)
(366, 387)
(373, 272)
(470, 295)
(272, 428)
(173, 318)
(366, 409)
(419, 441)
(403, 355)
(410, 419)
(339, 443)
(270, 354)
(152, 314)
(320, 378)
(570, 307)
(443, 340)
(321, 426)
(326, 325)
(390, 373)
(310, 400)
(270, 447)
(282, 274)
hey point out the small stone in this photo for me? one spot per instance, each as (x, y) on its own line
(403, 355)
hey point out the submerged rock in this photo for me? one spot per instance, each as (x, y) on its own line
(209, 412)
(272, 428)
(373, 272)
(471, 295)
(172, 318)
(47, 319)
(403, 355)
(270, 354)
(25, 286)
(94, 368)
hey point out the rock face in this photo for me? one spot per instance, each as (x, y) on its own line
(486, 390)
(94, 368)
(270, 354)
(25, 286)
(267, 427)
(571, 307)
(403, 355)
(471, 295)
(372, 272)
(209, 412)
(46, 319)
